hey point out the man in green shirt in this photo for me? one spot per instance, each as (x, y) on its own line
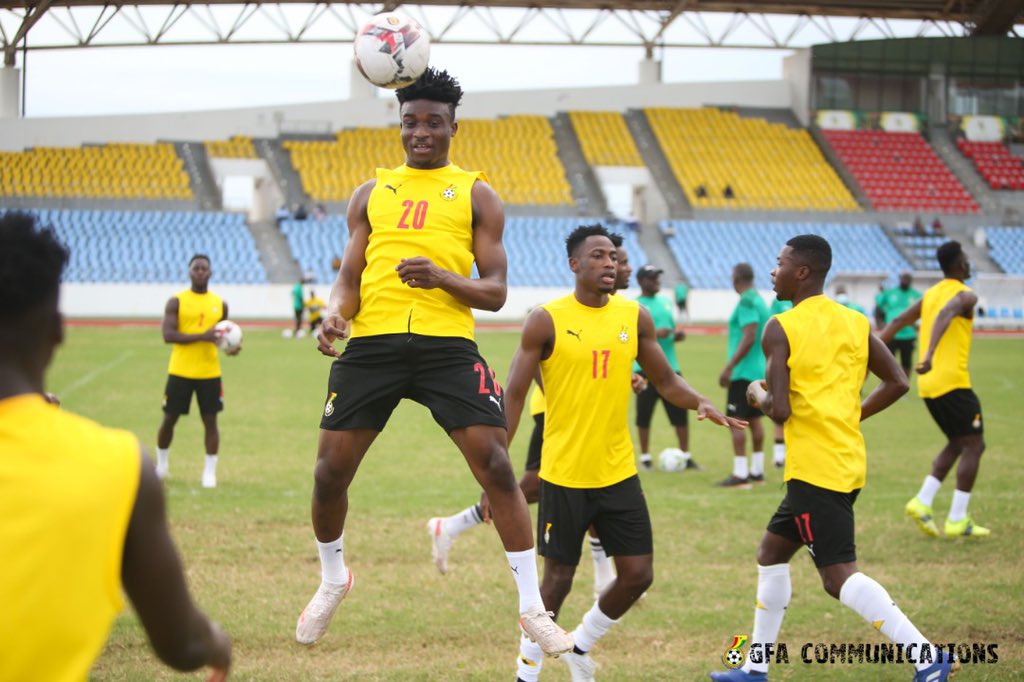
(891, 303)
(298, 304)
(745, 364)
(649, 279)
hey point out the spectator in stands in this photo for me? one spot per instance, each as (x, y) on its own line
(87, 508)
(701, 191)
(281, 214)
(728, 193)
(300, 212)
(937, 226)
(919, 226)
(632, 223)
(892, 302)
(320, 212)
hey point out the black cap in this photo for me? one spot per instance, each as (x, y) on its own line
(647, 271)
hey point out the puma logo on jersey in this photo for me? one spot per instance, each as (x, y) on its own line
(576, 334)
(393, 189)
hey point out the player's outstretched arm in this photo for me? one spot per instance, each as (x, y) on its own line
(536, 344)
(894, 383)
(489, 291)
(907, 317)
(771, 395)
(344, 301)
(670, 385)
(182, 636)
(170, 326)
(961, 305)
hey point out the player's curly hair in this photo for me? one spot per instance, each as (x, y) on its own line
(947, 255)
(814, 251)
(433, 85)
(580, 234)
(31, 263)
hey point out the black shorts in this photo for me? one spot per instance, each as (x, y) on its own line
(536, 443)
(736, 401)
(958, 413)
(446, 374)
(905, 349)
(645, 402)
(618, 513)
(178, 395)
(820, 519)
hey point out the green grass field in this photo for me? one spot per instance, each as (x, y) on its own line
(251, 561)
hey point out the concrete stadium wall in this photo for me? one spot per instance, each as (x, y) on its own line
(325, 117)
(269, 302)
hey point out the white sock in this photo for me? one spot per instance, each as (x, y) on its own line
(163, 458)
(459, 523)
(739, 467)
(779, 453)
(757, 464)
(592, 628)
(645, 458)
(958, 510)
(774, 591)
(524, 570)
(873, 604)
(332, 561)
(530, 661)
(211, 463)
(604, 567)
(928, 490)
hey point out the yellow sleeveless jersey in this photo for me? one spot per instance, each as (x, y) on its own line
(196, 314)
(828, 358)
(412, 213)
(67, 489)
(949, 362)
(586, 386)
(537, 402)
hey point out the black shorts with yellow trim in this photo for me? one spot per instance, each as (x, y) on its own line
(820, 519)
(179, 390)
(958, 413)
(618, 512)
(445, 374)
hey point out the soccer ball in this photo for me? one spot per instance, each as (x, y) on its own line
(671, 459)
(392, 50)
(229, 335)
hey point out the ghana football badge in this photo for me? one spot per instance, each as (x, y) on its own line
(449, 193)
(329, 407)
(734, 655)
(623, 334)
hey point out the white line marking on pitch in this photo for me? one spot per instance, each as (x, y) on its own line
(95, 373)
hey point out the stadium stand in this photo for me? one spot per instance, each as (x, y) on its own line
(237, 147)
(1006, 248)
(995, 163)
(154, 246)
(535, 246)
(921, 249)
(766, 165)
(605, 138)
(518, 154)
(900, 171)
(110, 171)
(706, 251)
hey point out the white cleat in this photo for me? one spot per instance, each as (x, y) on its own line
(316, 617)
(581, 666)
(442, 543)
(540, 627)
(209, 479)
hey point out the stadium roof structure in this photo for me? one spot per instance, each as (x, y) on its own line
(772, 24)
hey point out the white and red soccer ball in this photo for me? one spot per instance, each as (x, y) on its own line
(392, 50)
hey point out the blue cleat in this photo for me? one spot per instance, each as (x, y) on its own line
(938, 672)
(739, 676)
